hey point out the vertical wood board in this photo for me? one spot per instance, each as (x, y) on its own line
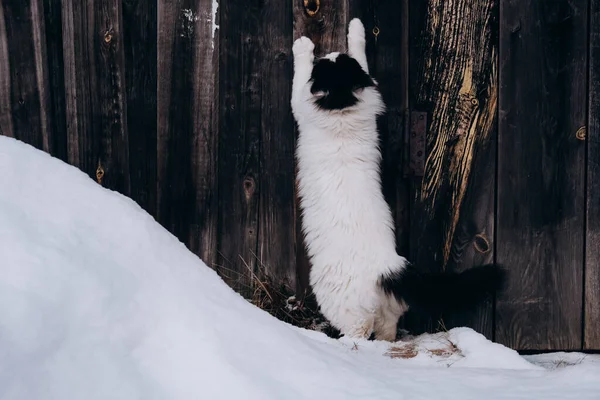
(187, 131)
(591, 338)
(453, 73)
(541, 170)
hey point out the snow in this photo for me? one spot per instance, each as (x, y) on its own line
(97, 301)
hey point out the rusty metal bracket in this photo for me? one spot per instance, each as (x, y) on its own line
(418, 132)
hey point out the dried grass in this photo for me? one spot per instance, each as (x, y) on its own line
(280, 300)
(409, 350)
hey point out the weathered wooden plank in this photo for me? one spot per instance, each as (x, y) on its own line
(325, 22)
(25, 74)
(240, 84)
(541, 173)
(453, 81)
(6, 124)
(56, 76)
(591, 338)
(276, 233)
(95, 90)
(187, 124)
(140, 48)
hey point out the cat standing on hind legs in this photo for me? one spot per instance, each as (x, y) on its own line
(361, 284)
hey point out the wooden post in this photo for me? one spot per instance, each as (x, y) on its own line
(256, 142)
(188, 106)
(95, 90)
(454, 87)
(591, 338)
(25, 106)
(276, 229)
(541, 172)
(140, 29)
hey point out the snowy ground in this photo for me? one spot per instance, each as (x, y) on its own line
(97, 301)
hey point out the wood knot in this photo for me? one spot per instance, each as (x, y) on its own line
(108, 37)
(281, 56)
(249, 187)
(481, 243)
(99, 173)
(581, 133)
(312, 7)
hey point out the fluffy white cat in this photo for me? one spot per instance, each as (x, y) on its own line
(361, 284)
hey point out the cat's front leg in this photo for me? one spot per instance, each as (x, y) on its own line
(357, 43)
(303, 64)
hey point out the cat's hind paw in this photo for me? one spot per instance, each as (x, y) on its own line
(303, 46)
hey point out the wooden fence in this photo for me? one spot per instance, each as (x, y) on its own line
(491, 141)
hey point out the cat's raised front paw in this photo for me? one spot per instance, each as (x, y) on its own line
(303, 46)
(356, 30)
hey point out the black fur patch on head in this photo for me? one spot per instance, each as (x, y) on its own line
(338, 80)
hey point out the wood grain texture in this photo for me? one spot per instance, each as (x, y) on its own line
(187, 124)
(56, 76)
(240, 92)
(95, 90)
(454, 80)
(276, 232)
(325, 22)
(541, 173)
(140, 28)
(6, 125)
(591, 338)
(25, 102)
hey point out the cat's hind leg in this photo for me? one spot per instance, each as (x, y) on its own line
(303, 64)
(357, 43)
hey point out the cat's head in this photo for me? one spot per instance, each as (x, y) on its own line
(338, 82)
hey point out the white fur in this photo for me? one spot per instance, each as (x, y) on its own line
(347, 223)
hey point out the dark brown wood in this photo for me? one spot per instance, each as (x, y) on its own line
(591, 337)
(276, 232)
(25, 100)
(453, 80)
(6, 125)
(140, 49)
(325, 22)
(541, 173)
(56, 83)
(187, 124)
(95, 90)
(240, 80)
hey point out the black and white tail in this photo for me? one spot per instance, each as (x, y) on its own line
(434, 293)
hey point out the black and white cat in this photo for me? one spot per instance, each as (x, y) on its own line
(361, 284)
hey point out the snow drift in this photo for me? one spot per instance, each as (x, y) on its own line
(97, 301)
